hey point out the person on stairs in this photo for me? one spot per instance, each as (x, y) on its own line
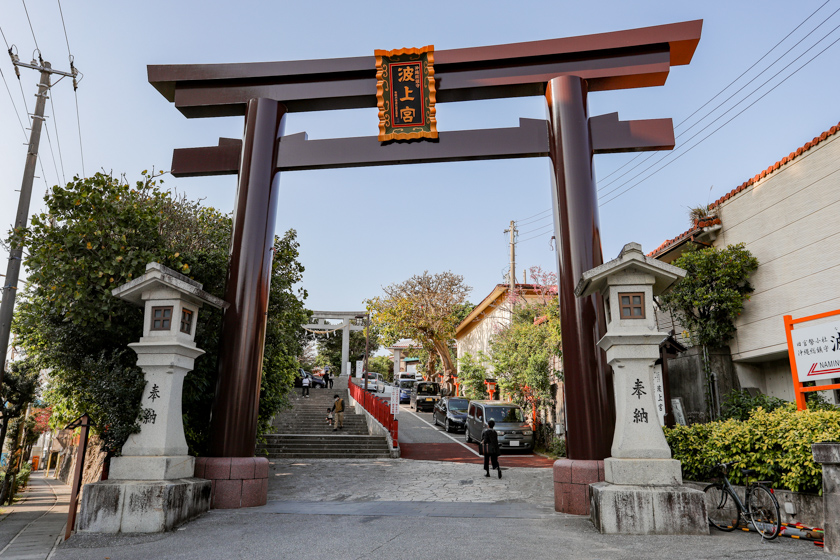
(338, 408)
(305, 385)
(490, 441)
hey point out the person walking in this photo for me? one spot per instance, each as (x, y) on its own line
(330, 379)
(305, 385)
(338, 408)
(490, 441)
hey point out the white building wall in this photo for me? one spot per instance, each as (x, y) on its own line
(788, 221)
(478, 339)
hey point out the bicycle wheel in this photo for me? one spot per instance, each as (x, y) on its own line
(764, 512)
(721, 507)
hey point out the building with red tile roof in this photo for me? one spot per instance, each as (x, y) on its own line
(787, 217)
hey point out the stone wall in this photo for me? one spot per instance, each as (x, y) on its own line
(688, 381)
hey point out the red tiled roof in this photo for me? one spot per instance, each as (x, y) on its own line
(709, 222)
(698, 227)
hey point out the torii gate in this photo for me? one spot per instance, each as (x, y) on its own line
(345, 327)
(562, 70)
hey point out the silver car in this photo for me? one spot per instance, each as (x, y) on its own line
(510, 426)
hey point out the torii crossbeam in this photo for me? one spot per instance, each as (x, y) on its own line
(562, 70)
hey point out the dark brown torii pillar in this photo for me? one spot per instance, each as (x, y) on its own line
(563, 70)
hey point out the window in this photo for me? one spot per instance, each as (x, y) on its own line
(479, 414)
(472, 410)
(161, 318)
(504, 414)
(632, 305)
(458, 405)
(186, 321)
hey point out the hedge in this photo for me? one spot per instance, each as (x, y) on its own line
(777, 444)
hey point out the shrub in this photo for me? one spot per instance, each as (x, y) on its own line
(738, 405)
(23, 475)
(776, 443)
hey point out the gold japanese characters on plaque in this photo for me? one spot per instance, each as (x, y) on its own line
(405, 93)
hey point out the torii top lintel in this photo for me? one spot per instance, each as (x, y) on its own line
(608, 61)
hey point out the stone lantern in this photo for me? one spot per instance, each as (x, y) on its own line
(151, 486)
(643, 491)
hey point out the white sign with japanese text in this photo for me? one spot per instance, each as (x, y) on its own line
(816, 350)
(659, 393)
(395, 400)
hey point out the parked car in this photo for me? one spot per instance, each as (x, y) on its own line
(314, 381)
(424, 395)
(510, 426)
(451, 413)
(405, 386)
(372, 378)
(381, 384)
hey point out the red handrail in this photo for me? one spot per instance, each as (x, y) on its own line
(378, 408)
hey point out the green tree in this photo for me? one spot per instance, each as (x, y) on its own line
(425, 308)
(98, 233)
(473, 374)
(20, 386)
(382, 365)
(712, 295)
(523, 352)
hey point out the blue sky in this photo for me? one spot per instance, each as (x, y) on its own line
(357, 232)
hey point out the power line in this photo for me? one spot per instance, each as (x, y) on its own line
(754, 64)
(57, 141)
(535, 215)
(17, 113)
(533, 237)
(67, 40)
(537, 228)
(30, 25)
(724, 124)
(725, 113)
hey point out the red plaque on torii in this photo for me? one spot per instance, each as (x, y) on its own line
(564, 71)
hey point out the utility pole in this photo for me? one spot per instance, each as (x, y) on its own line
(512, 275)
(7, 306)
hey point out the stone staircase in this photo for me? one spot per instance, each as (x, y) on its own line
(303, 433)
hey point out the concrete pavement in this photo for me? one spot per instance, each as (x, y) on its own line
(31, 528)
(406, 509)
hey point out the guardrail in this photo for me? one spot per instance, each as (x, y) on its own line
(378, 407)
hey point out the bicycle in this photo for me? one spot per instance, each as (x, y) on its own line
(761, 511)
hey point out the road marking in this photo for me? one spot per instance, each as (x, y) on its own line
(461, 443)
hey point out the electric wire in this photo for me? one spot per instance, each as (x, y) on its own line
(723, 114)
(14, 105)
(537, 228)
(754, 64)
(75, 95)
(66, 39)
(30, 25)
(529, 217)
(533, 237)
(724, 124)
(57, 142)
(547, 217)
(52, 152)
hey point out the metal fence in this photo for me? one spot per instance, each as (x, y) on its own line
(377, 407)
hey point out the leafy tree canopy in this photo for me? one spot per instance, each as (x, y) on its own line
(522, 354)
(712, 295)
(426, 308)
(99, 233)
